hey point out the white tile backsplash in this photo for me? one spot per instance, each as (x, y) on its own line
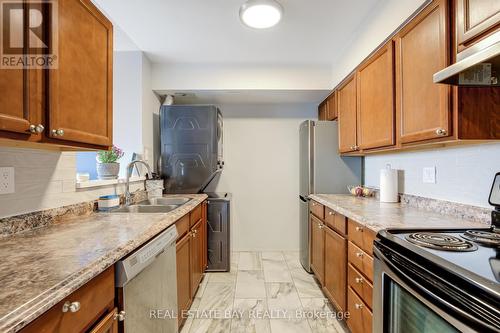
(46, 179)
(463, 174)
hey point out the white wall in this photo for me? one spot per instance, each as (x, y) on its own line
(239, 77)
(463, 174)
(261, 153)
(46, 179)
(386, 17)
(127, 104)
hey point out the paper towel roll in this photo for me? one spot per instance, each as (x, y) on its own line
(389, 185)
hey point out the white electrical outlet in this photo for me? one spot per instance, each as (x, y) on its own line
(429, 175)
(6, 180)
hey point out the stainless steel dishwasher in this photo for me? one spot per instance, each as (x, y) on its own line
(147, 286)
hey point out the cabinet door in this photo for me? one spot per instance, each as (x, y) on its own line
(332, 107)
(80, 90)
(475, 20)
(375, 93)
(317, 248)
(346, 107)
(196, 257)
(108, 324)
(183, 275)
(20, 102)
(322, 111)
(204, 237)
(336, 267)
(422, 49)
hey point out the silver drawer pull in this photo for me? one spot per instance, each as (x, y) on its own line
(71, 306)
(358, 306)
(330, 213)
(120, 316)
(441, 132)
(359, 229)
(359, 254)
(359, 280)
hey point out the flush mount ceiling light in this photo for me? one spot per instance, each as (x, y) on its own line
(261, 14)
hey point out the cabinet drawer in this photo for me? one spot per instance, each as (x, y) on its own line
(195, 215)
(360, 260)
(336, 221)
(361, 236)
(95, 298)
(182, 226)
(360, 285)
(317, 209)
(360, 320)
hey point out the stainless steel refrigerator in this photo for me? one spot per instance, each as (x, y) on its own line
(322, 170)
(191, 138)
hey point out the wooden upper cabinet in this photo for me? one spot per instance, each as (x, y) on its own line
(475, 19)
(375, 93)
(20, 103)
(80, 90)
(322, 111)
(331, 113)
(422, 49)
(346, 107)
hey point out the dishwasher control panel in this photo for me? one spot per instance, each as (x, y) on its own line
(128, 268)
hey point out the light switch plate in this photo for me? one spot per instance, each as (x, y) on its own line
(429, 175)
(7, 180)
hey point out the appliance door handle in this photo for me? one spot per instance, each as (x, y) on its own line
(304, 199)
(408, 282)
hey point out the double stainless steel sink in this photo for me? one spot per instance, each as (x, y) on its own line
(154, 205)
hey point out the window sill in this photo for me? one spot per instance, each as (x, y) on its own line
(99, 182)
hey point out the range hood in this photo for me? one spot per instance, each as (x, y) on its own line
(479, 65)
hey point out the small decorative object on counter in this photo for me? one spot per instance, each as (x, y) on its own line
(360, 191)
(389, 185)
(107, 165)
(107, 202)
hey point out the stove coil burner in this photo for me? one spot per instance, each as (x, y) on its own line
(483, 237)
(439, 241)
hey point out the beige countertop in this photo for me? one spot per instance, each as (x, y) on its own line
(377, 216)
(40, 268)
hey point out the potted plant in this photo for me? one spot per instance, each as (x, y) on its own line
(107, 165)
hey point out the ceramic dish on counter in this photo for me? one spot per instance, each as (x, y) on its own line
(360, 191)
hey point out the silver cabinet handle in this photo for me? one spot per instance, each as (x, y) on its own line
(71, 306)
(356, 147)
(359, 254)
(58, 132)
(441, 132)
(120, 316)
(358, 306)
(330, 213)
(359, 280)
(359, 229)
(36, 129)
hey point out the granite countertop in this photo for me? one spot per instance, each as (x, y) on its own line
(377, 216)
(40, 268)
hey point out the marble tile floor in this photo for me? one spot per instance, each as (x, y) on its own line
(265, 292)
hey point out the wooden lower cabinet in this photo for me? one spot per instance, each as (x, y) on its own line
(196, 257)
(317, 248)
(360, 319)
(335, 268)
(96, 309)
(191, 258)
(183, 276)
(108, 324)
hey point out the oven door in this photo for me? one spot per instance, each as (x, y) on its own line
(403, 305)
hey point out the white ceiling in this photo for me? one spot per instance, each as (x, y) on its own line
(210, 32)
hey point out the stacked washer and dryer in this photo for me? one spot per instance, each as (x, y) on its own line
(191, 157)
